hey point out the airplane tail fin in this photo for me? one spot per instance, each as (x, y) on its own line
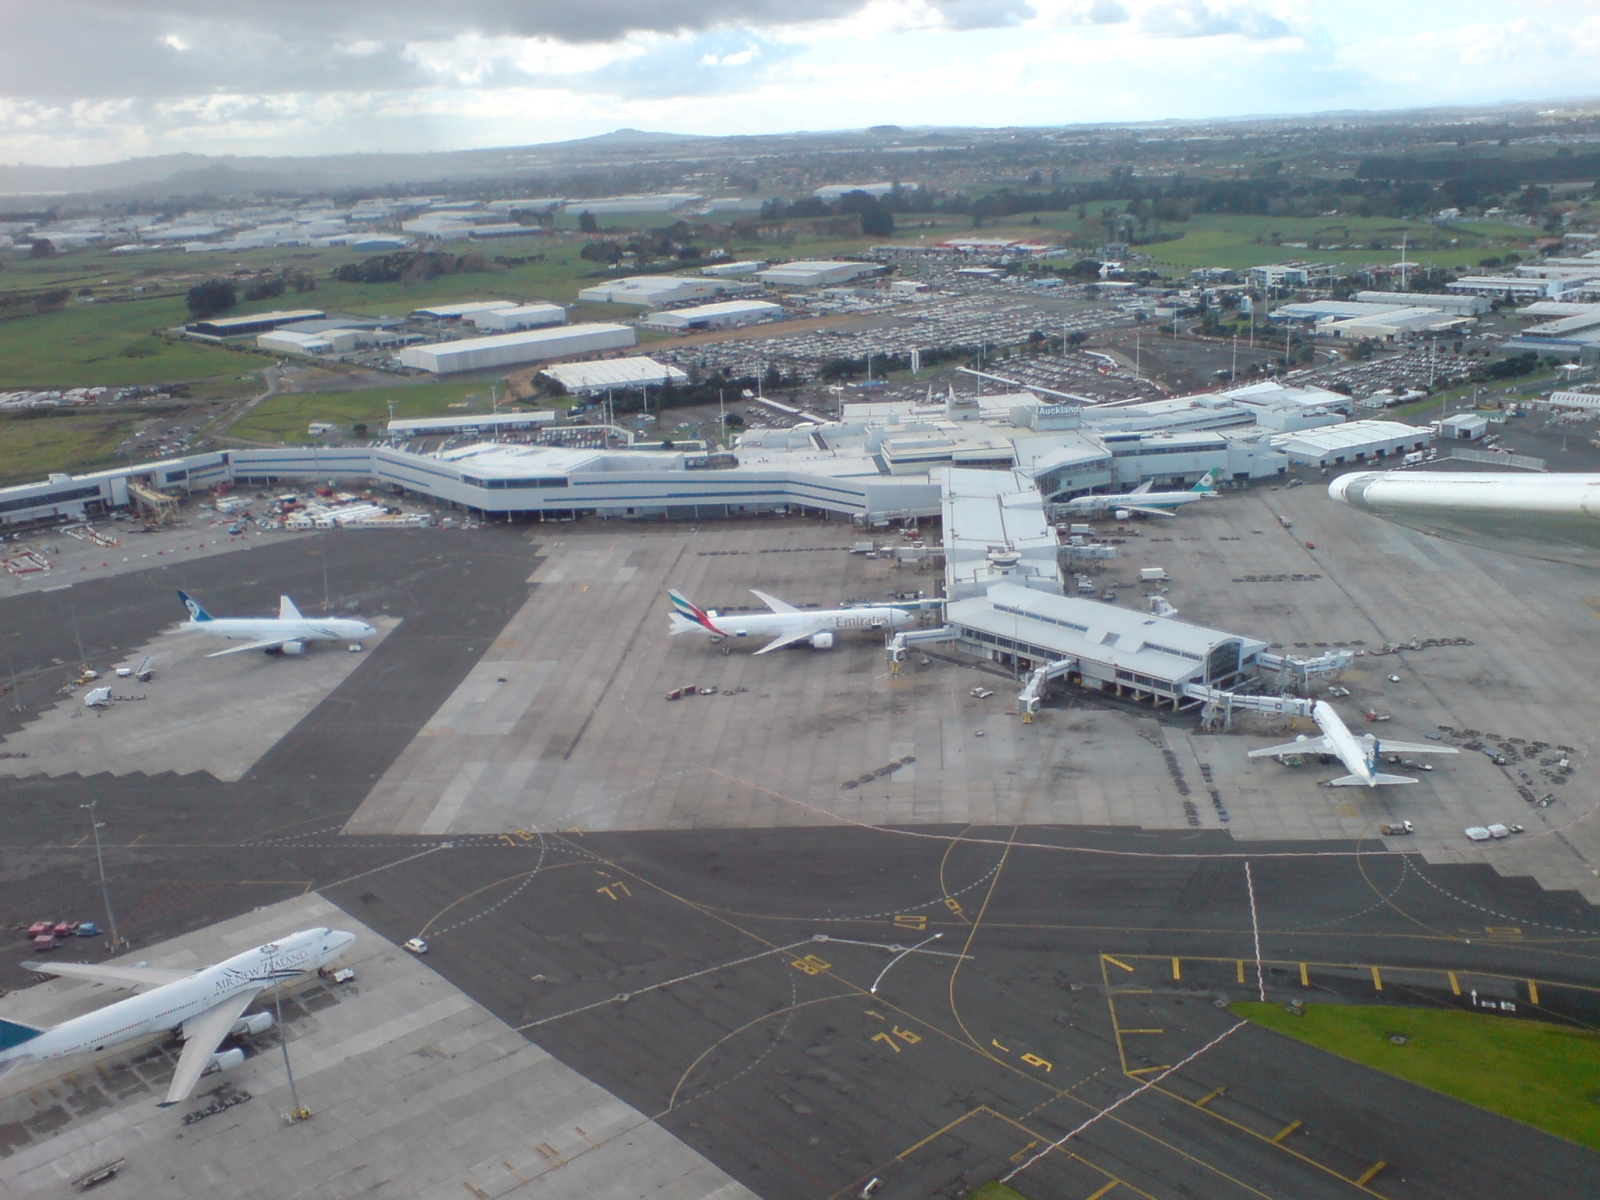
(196, 613)
(686, 616)
(15, 1033)
(1207, 482)
(287, 611)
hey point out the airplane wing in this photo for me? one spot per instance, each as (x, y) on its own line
(1316, 745)
(772, 602)
(1146, 510)
(1385, 746)
(125, 978)
(268, 644)
(201, 1037)
(1143, 488)
(1357, 781)
(787, 639)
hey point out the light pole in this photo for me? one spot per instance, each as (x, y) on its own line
(105, 890)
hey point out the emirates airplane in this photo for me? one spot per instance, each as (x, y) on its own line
(785, 624)
(207, 1005)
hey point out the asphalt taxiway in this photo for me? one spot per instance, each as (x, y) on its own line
(710, 957)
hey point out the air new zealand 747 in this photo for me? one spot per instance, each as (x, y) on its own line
(785, 624)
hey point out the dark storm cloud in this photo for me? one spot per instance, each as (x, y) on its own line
(100, 48)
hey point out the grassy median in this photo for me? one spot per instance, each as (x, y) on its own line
(1547, 1076)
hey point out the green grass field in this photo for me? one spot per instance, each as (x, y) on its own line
(31, 446)
(996, 1191)
(1238, 242)
(1543, 1075)
(285, 418)
(93, 345)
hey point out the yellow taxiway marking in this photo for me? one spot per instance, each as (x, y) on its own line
(1141, 1031)
(1104, 1190)
(1210, 1096)
(1239, 962)
(1116, 962)
(1305, 978)
(1533, 992)
(1455, 984)
(1277, 1138)
(1377, 980)
(1177, 972)
(1370, 1173)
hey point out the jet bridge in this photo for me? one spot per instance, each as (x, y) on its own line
(1032, 695)
(1283, 670)
(895, 648)
(1220, 706)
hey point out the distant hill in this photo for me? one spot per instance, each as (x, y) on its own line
(190, 174)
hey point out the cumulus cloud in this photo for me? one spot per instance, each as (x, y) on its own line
(1097, 12)
(1201, 19)
(983, 14)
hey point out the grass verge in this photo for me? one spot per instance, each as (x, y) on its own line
(1543, 1075)
(996, 1191)
(34, 444)
(287, 417)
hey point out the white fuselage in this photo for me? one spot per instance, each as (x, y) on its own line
(260, 629)
(1096, 504)
(1553, 495)
(834, 620)
(168, 1007)
(1355, 753)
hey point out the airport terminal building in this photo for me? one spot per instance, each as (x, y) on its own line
(1111, 649)
(880, 463)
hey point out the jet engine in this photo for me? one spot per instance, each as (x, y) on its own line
(254, 1023)
(226, 1061)
(294, 647)
(822, 641)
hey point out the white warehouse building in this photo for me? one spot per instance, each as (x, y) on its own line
(523, 316)
(814, 274)
(647, 291)
(511, 349)
(1352, 442)
(724, 315)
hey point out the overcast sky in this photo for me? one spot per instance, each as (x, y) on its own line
(98, 80)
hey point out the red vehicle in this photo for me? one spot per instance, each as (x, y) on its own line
(45, 941)
(40, 927)
(65, 928)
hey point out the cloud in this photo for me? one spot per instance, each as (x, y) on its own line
(1096, 12)
(983, 14)
(1201, 19)
(105, 48)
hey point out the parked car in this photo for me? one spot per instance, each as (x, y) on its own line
(417, 946)
(88, 929)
